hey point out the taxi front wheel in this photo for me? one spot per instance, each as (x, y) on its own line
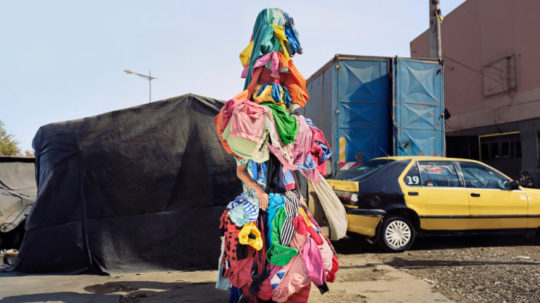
(396, 234)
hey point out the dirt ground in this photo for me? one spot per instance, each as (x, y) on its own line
(494, 268)
(441, 269)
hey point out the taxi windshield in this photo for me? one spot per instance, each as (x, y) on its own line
(363, 169)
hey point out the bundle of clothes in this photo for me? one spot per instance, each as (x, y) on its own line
(273, 254)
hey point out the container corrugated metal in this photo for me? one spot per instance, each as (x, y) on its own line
(418, 107)
(350, 99)
(369, 107)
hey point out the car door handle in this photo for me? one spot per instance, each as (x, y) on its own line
(475, 195)
(413, 193)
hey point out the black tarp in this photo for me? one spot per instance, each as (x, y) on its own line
(130, 190)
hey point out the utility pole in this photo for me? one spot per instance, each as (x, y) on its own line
(435, 18)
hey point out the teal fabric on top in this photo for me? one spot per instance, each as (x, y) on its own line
(264, 41)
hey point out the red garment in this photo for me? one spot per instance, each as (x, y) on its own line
(300, 225)
(315, 235)
(232, 249)
(301, 296)
(316, 151)
(331, 276)
(239, 273)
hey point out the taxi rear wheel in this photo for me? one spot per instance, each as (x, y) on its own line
(396, 234)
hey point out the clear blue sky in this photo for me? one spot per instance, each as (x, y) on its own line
(63, 60)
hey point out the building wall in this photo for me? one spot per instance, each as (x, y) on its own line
(475, 35)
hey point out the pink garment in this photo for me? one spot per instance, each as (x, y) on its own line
(227, 111)
(244, 72)
(327, 254)
(296, 276)
(247, 121)
(314, 262)
(316, 150)
(274, 63)
(300, 150)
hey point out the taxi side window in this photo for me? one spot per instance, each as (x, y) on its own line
(480, 176)
(438, 174)
(412, 178)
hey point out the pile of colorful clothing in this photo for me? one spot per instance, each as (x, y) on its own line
(273, 254)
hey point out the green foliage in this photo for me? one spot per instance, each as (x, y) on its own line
(8, 145)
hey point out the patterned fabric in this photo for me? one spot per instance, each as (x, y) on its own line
(232, 249)
(291, 211)
(242, 210)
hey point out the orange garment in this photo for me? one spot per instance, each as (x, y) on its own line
(218, 121)
(296, 84)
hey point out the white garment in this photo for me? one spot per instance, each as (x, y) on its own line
(333, 209)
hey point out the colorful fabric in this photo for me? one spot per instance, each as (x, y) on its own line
(245, 55)
(292, 35)
(271, 61)
(242, 210)
(279, 254)
(286, 124)
(300, 296)
(264, 41)
(291, 211)
(295, 83)
(279, 32)
(232, 249)
(296, 276)
(247, 121)
(222, 283)
(314, 262)
(275, 202)
(250, 235)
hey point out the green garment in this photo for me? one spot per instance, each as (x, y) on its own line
(264, 41)
(278, 254)
(286, 124)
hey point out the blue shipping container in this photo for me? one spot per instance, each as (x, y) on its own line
(375, 106)
(418, 107)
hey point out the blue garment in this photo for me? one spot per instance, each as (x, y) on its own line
(276, 93)
(310, 123)
(292, 35)
(235, 295)
(242, 211)
(326, 152)
(308, 165)
(275, 202)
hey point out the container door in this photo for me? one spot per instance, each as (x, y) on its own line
(362, 110)
(418, 107)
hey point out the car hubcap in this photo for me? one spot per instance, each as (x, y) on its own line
(397, 234)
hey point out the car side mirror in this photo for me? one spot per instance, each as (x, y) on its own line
(511, 185)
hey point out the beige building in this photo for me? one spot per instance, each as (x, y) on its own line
(491, 52)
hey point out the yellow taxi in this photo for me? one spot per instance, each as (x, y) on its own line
(391, 200)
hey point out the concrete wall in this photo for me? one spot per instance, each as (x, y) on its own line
(474, 35)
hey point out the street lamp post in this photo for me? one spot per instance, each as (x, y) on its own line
(147, 77)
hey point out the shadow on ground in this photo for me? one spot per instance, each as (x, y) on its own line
(131, 292)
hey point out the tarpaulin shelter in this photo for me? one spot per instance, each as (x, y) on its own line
(135, 189)
(17, 194)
